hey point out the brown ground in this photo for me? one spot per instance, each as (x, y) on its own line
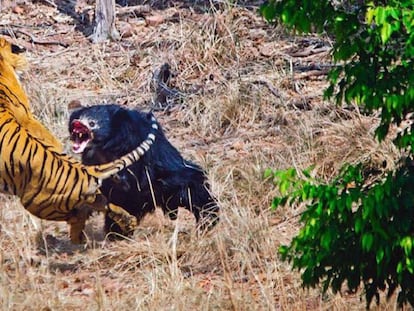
(251, 98)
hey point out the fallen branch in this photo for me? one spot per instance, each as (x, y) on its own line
(312, 73)
(32, 38)
(136, 9)
(310, 51)
(313, 66)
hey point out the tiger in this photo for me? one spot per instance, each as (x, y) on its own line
(51, 184)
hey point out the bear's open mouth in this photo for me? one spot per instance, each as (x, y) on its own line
(80, 136)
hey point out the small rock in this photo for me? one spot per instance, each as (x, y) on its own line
(238, 145)
(18, 9)
(268, 49)
(154, 20)
(126, 30)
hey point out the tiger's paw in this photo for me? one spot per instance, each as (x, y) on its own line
(127, 223)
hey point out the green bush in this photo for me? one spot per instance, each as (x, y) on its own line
(353, 232)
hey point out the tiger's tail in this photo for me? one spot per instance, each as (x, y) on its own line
(107, 170)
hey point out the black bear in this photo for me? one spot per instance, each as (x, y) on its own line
(161, 178)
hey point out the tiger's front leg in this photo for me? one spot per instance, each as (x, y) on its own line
(126, 222)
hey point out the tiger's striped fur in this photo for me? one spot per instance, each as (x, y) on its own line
(50, 184)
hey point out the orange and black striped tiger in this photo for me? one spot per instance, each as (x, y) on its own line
(50, 184)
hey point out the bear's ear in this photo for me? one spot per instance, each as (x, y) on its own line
(74, 104)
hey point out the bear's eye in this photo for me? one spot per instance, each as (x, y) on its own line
(92, 123)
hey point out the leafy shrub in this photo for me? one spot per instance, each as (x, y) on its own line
(355, 231)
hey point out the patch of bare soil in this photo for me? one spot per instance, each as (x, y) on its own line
(242, 96)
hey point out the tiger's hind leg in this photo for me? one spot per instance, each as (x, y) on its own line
(77, 222)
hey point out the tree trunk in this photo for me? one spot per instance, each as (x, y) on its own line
(105, 22)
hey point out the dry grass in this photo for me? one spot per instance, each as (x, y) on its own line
(230, 121)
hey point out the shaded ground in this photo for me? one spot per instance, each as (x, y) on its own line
(249, 98)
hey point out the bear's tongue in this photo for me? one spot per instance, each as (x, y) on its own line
(80, 136)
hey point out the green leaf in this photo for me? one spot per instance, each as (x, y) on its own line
(284, 251)
(394, 13)
(379, 194)
(326, 240)
(268, 12)
(369, 16)
(367, 241)
(285, 17)
(267, 173)
(379, 255)
(358, 225)
(407, 244)
(400, 267)
(409, 264)
(386, 32)
(284, 186)
(276, 202)
(380, 15)
(307, 172)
